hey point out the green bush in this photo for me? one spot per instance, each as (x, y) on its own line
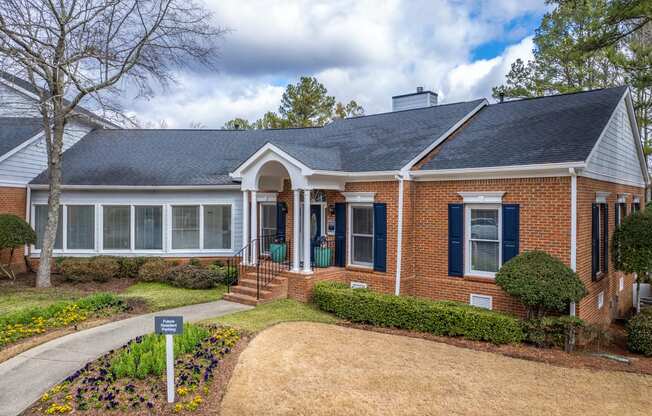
(225, 274)
(192, 277)
(98, 269)
(551, 331)
(154, 270)
(439, 318)
(14, 232)
(130, 266)
(195, 262)
(146, 355)
(639, 334)
(541, 282)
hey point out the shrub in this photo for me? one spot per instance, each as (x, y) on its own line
(551, 331)
(154, 270)
(192, 277)
(639, 334)
(14, 232)
(195, 262)
(439, 318)
(632, 246)
(99, 269)
(541, 282)
(130, 266)
(225, 274)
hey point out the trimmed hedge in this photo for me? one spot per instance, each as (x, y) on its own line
(639, 334)
(98, 269)
(551, 331)
(435, 317)
(192, 277)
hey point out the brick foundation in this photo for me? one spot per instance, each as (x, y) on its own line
(13, 201)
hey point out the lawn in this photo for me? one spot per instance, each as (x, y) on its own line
(313, 369)
(268, 314)
(20, 298)
(161, 296)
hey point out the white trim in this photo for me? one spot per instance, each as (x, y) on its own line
(573, 230)
(498, 172)
(138, 188)
(621, 283)
(609, 178)
(349, 216)
(484, 297)
(636, 200)
(399, 239)
(237, 172)
(246, 237)
(307, 267)
(296, 225)
(12, 184)
(21, 146)
(482, 197)
(360, 176)
(601, 197)
(622, 198)
(266, 197)
(359, 197)
(468, 271)
(440, 139)
(600, 300)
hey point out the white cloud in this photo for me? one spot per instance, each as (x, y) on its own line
(363, 50)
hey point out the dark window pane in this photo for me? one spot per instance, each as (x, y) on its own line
(40, 221)
(81, 227)
(149, 228)
(116, 227)
(217, 226)
(185, 227)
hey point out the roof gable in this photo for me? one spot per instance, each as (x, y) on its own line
(15, 131)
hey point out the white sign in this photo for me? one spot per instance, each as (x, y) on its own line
(358, 285)
(169, 326)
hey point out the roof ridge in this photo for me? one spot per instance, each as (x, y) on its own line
(561, 94)
(412, 109)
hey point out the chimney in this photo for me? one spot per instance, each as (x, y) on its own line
(420, 99)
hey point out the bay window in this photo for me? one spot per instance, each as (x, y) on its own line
(116, 230)
(148, 228)
(217, 227)
(483, 239)
(80, 230)
(362, 235)
(185, 227)
(40, 221)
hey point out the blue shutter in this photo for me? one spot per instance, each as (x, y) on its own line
(380, 237)
(595, 240)
(340, 234)
(455, 239)
(617, 214)
(510, 231)
(605, 255)
(281, 212)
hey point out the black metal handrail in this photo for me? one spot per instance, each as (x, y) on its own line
(275, 254)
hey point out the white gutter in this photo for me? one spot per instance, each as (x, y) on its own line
(573, 245)
(28, 218)
(138, 187)
(556, 169)
(399, 240)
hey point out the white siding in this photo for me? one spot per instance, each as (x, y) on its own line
(616, 158)
(30, 161)
(165, 198)
(16, 104)
(420, 100)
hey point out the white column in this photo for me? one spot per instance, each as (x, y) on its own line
(306, 231)
(296, 244)
(245, 225)
(254, 228)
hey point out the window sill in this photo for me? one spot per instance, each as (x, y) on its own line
(358, 268)
(479, 278)
(599, 276)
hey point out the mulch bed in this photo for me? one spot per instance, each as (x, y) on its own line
(579, 359)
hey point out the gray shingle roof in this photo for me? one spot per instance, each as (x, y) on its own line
(553, 129)
(205, 157)
(15, 130)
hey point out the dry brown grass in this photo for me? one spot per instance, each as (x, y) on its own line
(316, 369)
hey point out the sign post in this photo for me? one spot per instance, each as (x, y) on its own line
(169, 326)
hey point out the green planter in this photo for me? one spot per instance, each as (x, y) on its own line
(323, 256)
(278, 251)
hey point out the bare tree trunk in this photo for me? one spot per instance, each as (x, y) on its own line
(54, 196)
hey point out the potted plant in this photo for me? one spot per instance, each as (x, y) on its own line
(278, 249)
(323, 254)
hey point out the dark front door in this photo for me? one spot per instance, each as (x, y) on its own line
(315, 228)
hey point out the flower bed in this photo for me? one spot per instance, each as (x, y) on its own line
(109, 384)
(35, 321)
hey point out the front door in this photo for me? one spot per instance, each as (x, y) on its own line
(315, 228)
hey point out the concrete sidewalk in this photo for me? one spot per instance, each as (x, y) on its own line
(24, 378)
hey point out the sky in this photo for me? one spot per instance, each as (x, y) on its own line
(360, 50)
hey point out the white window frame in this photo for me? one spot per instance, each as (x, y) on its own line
(350, 261)
(201, 248)
(600, 300)
(468, 271)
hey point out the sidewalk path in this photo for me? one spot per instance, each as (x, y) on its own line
(24, 378)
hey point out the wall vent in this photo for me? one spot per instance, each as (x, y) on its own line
(481, 301)
(358, 285)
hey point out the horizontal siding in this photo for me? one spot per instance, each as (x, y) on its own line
(616, 156)
(409, 102)
(16, 104)
(29, 162)
(153, 198)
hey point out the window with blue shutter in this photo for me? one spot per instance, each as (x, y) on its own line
(281, 212)
(595, 240)
(455, 239)
(605, 236)
(510, 231)
(380, 237)
(340, 234)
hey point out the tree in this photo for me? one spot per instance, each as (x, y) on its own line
(304, 104)
(632, 246)
(14, 233)
(541, 282)
(70, 51)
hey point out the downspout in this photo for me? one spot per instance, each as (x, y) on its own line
(399, 239)
(573, 244)
(28, 218)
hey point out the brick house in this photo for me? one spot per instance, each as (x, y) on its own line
(427, 200)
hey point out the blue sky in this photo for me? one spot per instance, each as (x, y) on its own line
(366, 50)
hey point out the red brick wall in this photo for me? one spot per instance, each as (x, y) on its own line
(616, 303)
(13, 201)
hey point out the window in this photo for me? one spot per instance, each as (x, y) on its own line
(217, 226)
(185, 227)
(621, 212)
(599, 243)
(116, 229)
(40, 220)
(80, 231)
(362, 235)
(149, 228)
(483, 239)
(621, 284)
(600, 300)
(267, 224)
